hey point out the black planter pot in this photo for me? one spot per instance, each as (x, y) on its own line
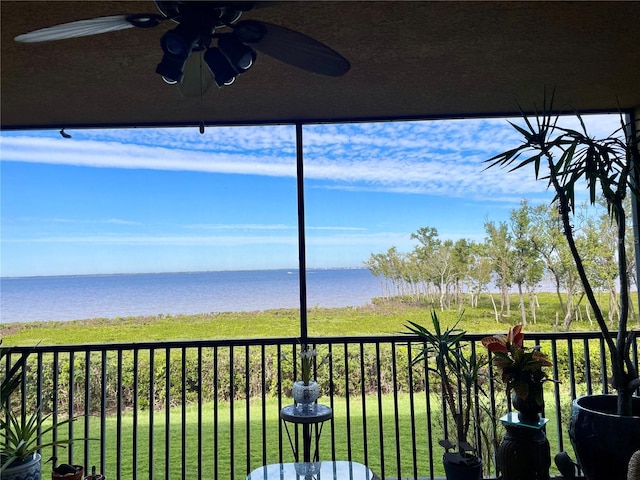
(602, 440)
(471, 469)
(528, 409)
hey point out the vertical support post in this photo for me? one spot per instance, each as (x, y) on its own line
(306, 442)
(302, 264)
(633, 119)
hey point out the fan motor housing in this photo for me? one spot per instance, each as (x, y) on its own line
(220, 13)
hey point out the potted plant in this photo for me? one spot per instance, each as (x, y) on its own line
(569, 159)
(521, 371)
(64, 471)
(12, 379)
(307, 391)
(458, 375)
(22, 434)
(525, 451)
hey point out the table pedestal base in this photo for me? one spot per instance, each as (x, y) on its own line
(311, 418)
(524, 453)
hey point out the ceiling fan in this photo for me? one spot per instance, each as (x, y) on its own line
(190, 60)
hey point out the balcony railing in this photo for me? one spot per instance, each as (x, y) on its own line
(210, 409)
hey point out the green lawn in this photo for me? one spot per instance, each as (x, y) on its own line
(216, 444)
(220, 452)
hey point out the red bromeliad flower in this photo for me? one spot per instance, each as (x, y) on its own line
(520, 367)
(502, 343)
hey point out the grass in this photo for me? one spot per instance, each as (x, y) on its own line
(210, 454)
(215, 462)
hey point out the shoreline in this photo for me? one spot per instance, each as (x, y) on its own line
(380, 318)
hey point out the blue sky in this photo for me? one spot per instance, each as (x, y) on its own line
(168, 200)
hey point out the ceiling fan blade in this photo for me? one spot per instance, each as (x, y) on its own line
(93, 26)
(292, 48)
(197, 76)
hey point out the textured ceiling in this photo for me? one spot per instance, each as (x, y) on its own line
(409, 60)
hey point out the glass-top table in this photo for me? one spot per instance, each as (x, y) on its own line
(339, 470)
(512, 419)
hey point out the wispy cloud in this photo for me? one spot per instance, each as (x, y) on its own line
(118, 221)
(262, 241)
(161, 240)
(263, 227)
(105, 221)
(443, 158)
(118, 155)
(336, 229)
(244, 227)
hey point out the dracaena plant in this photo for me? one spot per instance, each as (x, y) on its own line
(520, 367)
(12, 378)
(446, 355)
(569, 160)
(22, 433)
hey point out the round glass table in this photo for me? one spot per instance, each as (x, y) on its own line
(339, 470)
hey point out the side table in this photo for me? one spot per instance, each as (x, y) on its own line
(338, 470)
(308, 416)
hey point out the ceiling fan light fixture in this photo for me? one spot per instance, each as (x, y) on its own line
(239, 55)
(171, 68)
(169, 81)
(177, 45)
(222, 70)
(181, 40)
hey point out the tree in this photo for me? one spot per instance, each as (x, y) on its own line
(388, 267)
(499, 251)
(573, 159)
(549, 242)
(479, 271)
(527, 266)
(461, 256)
(598, 247)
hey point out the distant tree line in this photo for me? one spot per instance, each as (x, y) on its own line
(519, 253)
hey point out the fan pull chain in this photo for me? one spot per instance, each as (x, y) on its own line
(201, 102)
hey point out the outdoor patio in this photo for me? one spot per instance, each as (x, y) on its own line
(409, 60)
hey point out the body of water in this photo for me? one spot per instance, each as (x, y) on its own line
(30, 299)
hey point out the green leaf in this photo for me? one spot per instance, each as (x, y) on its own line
(528, 135)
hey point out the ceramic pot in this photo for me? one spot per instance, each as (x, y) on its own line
(305, 394)
(27, 470)
(454, 470)
(528, 409)
(602, 440)
(78, 475)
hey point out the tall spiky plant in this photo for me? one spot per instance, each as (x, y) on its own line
(12, 377)
(459, 376)
(608, 166)
(22, 433)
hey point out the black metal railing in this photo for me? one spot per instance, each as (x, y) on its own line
(210, 409)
